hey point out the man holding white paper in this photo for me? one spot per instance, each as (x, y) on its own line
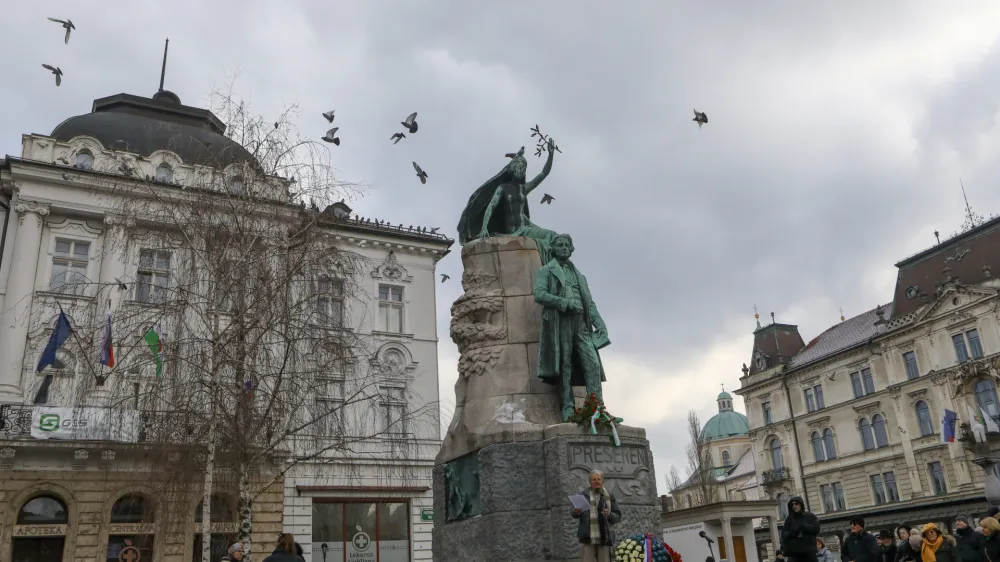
(597, 511)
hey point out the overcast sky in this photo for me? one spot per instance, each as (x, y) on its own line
(836, 138)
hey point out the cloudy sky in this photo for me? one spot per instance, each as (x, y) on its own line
(836, 140)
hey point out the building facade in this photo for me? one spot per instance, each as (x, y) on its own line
(852, 421)
(87, 489)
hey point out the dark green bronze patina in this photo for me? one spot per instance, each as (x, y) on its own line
(462, 483)
(572, 329)
(500, 206)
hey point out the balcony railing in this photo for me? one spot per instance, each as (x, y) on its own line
(775, 475)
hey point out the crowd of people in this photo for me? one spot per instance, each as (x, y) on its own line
(800, 541)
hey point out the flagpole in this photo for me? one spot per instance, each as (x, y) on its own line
(98, 379)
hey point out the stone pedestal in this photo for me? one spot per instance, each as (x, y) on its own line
(507, 467)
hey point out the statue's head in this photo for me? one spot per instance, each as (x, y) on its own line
(562, 246)
(518, 167)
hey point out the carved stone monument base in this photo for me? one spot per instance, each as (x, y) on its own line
(523, 495)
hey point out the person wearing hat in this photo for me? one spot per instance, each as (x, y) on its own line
(886, 546)
(859, 546)
(937, 546)
(798, 535)
(969, 542)
(235, 553)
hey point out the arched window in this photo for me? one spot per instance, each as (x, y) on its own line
(223, 513)
(84, 160)
(817, 444)
(783, 505)
(986, 398)
(164, 173)
(924, 418)
(725, 458)
(867, 437)
(236, 185)
(46, 540)
(878, 425)
(829, 445)
(43, 510)
(133, 514)
(777, 461)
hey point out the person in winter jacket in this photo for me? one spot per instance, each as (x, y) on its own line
(969, 542)
(909, 550)
(937, 547)
(859, 546)
(822, 553)
(886, 546)
(285, 550)
(595, 531)
(799, 533)
(991, 539)
(235, 553)
(903, 533)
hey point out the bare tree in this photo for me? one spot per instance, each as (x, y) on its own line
(700, 461)
(673, 479)
(237, 333)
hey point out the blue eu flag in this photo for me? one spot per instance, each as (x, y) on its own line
(60, 334)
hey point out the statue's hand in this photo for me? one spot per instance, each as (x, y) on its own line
(602, 332)
(552, 145)
(575, 305)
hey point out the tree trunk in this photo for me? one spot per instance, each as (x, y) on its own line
(246, 511)
(206, 498)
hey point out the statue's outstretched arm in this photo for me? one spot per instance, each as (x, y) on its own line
(484, 232)
(528, 187)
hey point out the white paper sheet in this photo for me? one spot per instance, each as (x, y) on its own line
(580, 502)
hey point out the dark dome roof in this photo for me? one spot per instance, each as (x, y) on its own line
(157, 123)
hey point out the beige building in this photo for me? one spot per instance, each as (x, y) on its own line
(852, 420)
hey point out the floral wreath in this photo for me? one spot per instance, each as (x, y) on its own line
(593, 414)
(645, 548)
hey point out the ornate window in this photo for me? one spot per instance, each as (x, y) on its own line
(164, 173)
(867, 436)
(84, 160)
(132, 533)
(829, 445)
(390, 309)
(924, 418)
(817, 444)
(40, 531)
(765, 409)
(69, 266)
(725, 458)
(777, 460)
(967, 345)
(910, 360)
(878, 426)
(986, 398)
(330, 301)
(862, 382)
(393, 403)
(154, 276)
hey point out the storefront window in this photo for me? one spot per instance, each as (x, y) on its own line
(131, 538)
(361, 532)
(39, 535)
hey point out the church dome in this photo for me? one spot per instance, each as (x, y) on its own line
(145, 125)
(727, 423)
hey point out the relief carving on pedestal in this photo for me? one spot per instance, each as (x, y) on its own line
(477, 322)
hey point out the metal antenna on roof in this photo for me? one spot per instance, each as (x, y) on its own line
(163, 69)
(777, 346)
(972, 220)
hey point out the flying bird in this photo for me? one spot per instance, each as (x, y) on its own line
(67, 25)
(121, 284)
(331, 136)
(420, 174)
(397, 137)
(329, 115)
(411, 122)
(514, 154)
(700, 118)
(55, 70)
(444, 277)
(547, 199)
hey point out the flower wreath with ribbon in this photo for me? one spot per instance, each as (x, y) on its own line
(593, 414)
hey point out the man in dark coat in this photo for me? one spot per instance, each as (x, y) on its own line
(970, 543)
(594, 529)
(798, 535)
(860, 545)
(886, 546)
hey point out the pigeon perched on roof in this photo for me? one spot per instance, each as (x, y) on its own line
(547, 199)
(329, 115)
(411, 122)
(700, 118)
(420, 173)
(67, 25)
(55, 70)
(331, 136)
(434, 229)
(397, 137)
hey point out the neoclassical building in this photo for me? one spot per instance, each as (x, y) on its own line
(852, 420)
(73, 491)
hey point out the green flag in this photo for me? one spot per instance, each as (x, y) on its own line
(153, 341)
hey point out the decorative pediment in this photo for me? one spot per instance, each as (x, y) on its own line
(917, 395)
(945, 302)
(394, 361)
(818, 423)
(869, 408)
(391, 270)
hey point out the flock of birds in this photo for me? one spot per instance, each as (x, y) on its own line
(69, 27)
(410, 124)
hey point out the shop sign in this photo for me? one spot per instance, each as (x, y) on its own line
(427, 515)
(39, 531)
